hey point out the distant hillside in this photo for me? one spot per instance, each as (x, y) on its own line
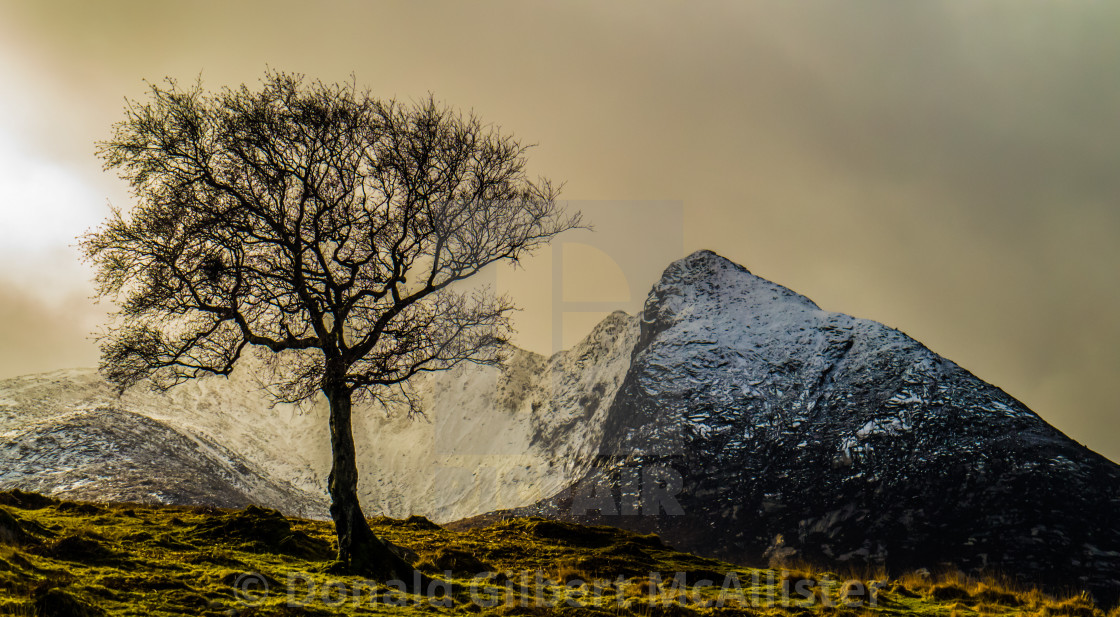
(490, 438)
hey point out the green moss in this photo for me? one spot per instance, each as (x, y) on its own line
(257, 530)
(13, 530)
(55, 602)
(25, 501)
(124, 560)
(83, 548)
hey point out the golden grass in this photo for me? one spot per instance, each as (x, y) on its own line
(127, 559)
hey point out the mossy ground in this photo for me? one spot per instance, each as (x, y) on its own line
(65, 558)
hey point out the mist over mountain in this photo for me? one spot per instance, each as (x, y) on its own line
(734, 417)
(490, 437)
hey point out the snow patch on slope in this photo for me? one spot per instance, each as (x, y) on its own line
(490, 436)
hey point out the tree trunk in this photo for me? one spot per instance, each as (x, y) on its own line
(360, 552)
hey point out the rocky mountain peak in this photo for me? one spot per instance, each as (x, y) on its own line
(788, 432)
(705, 282)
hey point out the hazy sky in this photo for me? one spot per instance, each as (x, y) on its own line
(951, 169)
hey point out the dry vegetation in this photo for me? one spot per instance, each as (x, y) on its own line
(75, 559)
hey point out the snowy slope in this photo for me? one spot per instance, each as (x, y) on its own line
(66, 433)
(495, 438)
(490, 437)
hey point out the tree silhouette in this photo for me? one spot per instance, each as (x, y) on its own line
(320, 224)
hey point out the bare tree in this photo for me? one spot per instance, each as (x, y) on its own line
(320, 224)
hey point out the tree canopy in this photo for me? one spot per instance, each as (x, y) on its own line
(321, 224)
(310, 219)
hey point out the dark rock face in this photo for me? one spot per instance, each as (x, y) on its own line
(753, 425)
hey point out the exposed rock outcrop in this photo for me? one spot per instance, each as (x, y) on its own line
(752, 423)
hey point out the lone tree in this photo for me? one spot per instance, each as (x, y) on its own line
(324, 226)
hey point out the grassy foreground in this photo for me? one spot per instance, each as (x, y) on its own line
(78, 559)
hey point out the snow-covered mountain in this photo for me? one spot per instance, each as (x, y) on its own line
(490, 437)
(66, 434)
(734, 417)
(752, 423)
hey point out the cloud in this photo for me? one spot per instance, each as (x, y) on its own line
(948, 168)
(38, 335)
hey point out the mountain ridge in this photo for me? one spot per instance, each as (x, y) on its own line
(797, 433)
(490, 436)
(763, 427)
